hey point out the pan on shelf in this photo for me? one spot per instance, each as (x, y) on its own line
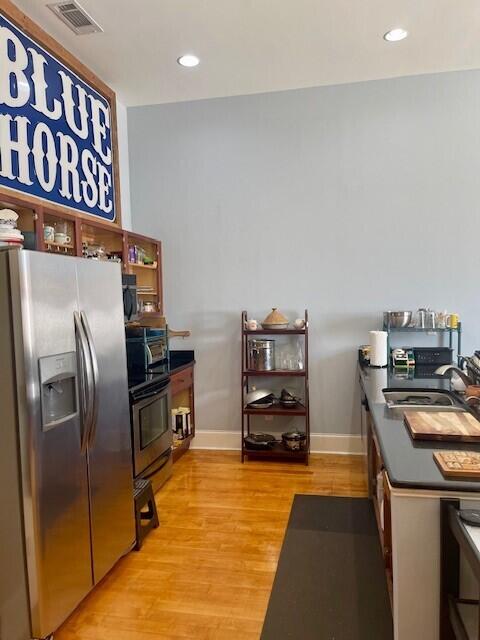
(259, 441)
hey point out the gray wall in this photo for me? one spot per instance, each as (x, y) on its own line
(347, 200)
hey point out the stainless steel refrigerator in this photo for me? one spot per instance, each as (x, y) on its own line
(65, 444)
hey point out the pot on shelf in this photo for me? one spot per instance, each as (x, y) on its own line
(261, 355)
(259, 441)
(294, 440)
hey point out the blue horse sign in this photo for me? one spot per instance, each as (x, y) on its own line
(55, 129)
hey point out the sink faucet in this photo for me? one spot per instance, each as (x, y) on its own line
(446, 368)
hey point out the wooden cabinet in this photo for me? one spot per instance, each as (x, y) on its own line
(182, 381)
(89, 237)
(183, 395)
(148, 271)
(379, 491)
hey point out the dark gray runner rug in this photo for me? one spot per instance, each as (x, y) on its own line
(330, 582)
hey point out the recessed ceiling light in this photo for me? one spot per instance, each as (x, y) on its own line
(188, 60)
(395, 35)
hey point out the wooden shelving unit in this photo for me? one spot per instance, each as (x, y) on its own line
(86, 231)
(276, 372)
(136, 265)
(277, 451)
(183, 395)
(148, 275)
(376, 473)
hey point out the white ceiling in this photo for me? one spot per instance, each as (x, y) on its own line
(252, 46)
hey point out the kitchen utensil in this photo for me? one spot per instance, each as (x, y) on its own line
(430, 318)
(261, 355)
(257, 394)
(265, 403)
(472, 391)
(148, 307)
(294, 440)
(275, 320)
(259, 441)
(61, 226)
(287, 399)
(62, 238)
(421, 318)
(397, 319)
(442, 425)
(442, 319)
(49, 233)
(458, 464)
(179, 334)
(290, 403)
(452, 320)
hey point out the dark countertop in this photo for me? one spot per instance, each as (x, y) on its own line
(408, 463)
(181, 359)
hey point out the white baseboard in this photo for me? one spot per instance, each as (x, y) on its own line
(319, 442)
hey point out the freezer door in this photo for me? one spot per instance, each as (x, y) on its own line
(14, 603)
(53, 468)
(109, 448)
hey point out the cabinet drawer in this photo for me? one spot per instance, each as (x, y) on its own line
(182, 380)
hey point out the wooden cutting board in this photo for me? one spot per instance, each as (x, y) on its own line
(458, 464)
(443, 425)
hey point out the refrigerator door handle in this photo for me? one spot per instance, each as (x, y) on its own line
(94, 365)
(86, 382)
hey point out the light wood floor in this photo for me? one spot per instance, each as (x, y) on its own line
(207, 571)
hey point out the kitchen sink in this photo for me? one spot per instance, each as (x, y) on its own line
(415, 399)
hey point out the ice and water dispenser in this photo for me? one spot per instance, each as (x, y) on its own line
(58, 384)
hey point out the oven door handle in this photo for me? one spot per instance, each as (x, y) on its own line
(166, 457)
(149, 394)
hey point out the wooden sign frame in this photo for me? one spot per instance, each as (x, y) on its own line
(32, 30)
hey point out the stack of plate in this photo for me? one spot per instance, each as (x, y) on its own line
(9, 234)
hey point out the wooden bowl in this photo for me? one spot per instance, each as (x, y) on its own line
(472, 390)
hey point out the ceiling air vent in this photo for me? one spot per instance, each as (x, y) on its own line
(75, 17)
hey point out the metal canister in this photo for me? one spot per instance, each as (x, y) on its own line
(261, 355)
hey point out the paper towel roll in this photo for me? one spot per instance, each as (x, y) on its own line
(378, 349)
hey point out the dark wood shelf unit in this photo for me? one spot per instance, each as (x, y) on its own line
(278, 450)
(277, 410)
(274, 332)
(276, 372)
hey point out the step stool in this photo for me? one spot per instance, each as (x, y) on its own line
(143, 496)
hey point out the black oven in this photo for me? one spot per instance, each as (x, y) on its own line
(151, 429)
